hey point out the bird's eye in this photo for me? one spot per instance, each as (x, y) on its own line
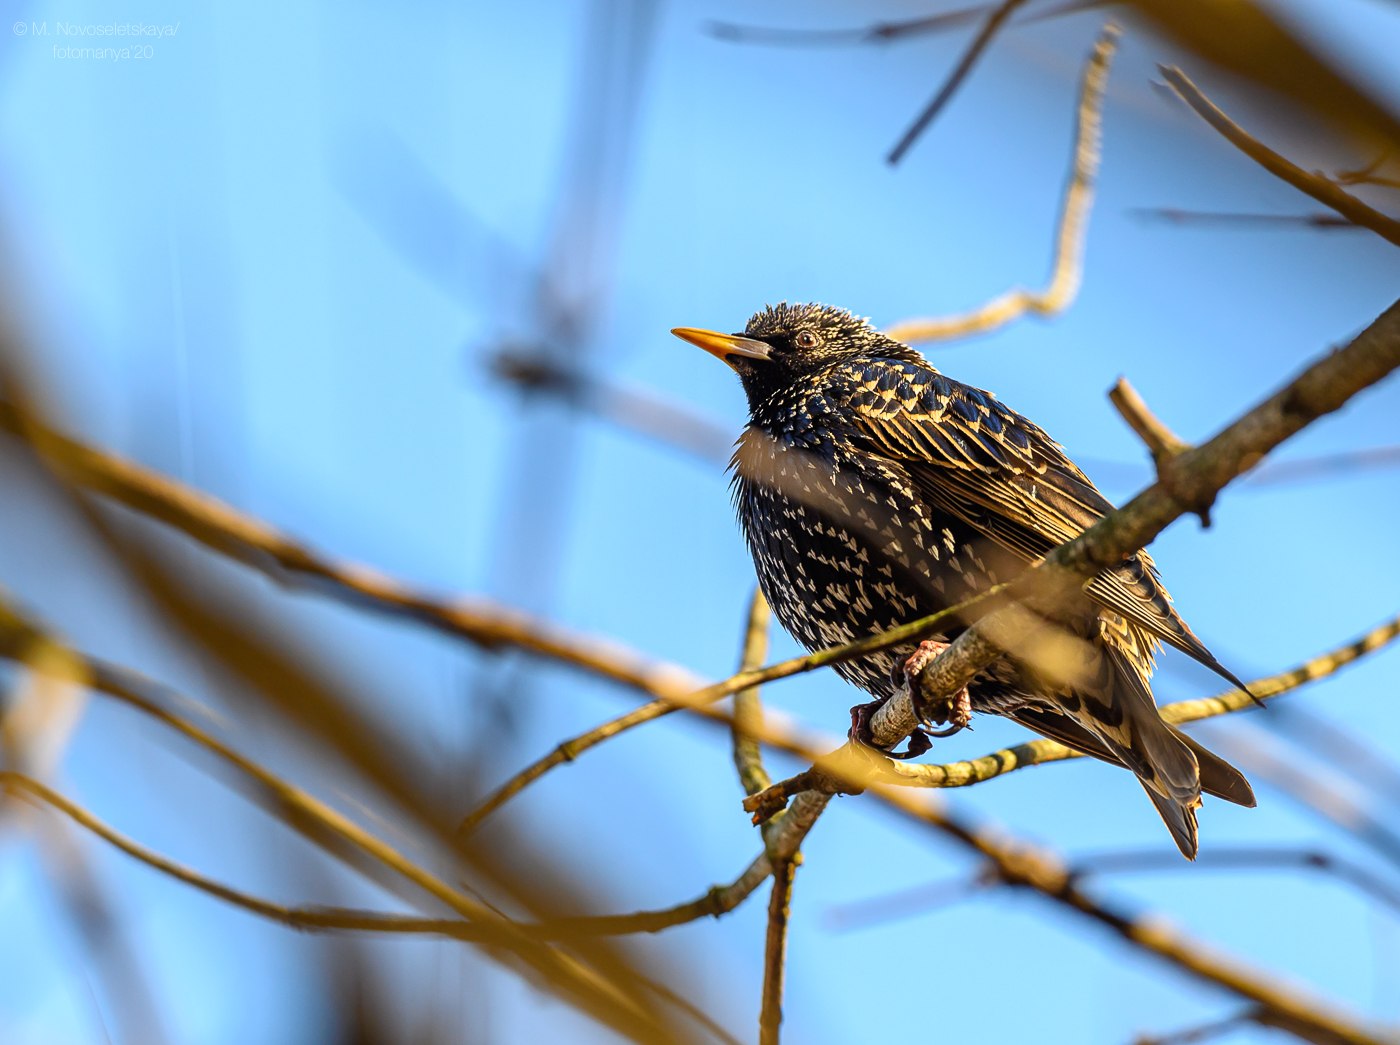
(805, 339)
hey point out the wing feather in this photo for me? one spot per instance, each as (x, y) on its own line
(993, 469)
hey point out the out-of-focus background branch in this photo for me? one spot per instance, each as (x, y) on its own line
(393, 290)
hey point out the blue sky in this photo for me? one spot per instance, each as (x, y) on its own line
(254, 260)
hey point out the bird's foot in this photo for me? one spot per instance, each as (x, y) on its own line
(860, 733)
(956, 710)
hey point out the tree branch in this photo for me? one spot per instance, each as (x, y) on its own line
(775, 951)
(748, 712)
(1198, 475)
(980, 42)
(1319, 188)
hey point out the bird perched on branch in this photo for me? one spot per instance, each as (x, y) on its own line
(873, 490)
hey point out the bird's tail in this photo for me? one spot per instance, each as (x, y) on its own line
(1172, 768)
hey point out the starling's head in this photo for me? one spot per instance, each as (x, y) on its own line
(786, 342)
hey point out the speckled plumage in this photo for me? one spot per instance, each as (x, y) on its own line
(872, 489)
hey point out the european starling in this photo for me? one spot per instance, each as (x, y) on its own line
(873, 490)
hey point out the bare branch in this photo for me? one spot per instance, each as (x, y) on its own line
(1319, 188)
(1198, 475)
(1023, 866)
(1367, 175)
(882, 32)
(775, 952)
(980, 42)
(698, 700)
(256, 544)
(1078, 201)
(1161, 441)
(748, 758)
(1202, 1031)
(1177, 216)
(1039, 752)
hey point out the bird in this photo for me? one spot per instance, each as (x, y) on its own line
(872, 490)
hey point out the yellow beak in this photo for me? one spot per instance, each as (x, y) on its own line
(723, 346)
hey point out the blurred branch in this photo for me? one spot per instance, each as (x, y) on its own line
(748, 758)
(1314, 185)
(883, 32)
(928, 896)
(1020, 865)
(1177, 216)
(669, 700)
(1258, 44)
(1041, 751)
(1328, 795)
(1267, 858)
(256, 544)
(980, 42)
(681, 427)
(1202, 1031)
(580, 982)
(716, 902)
(108, 944)
(1078, 201)
(1367, 175)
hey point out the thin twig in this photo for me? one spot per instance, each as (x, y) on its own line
(882, 32)
(1202, 1031)
(1045, 874)
(748, 757)
(1319, 188)
(714, 903)
(980, 42)
(1178, 216)
(1067, 271)
(1161, 441)
(1040, 752)
(671, 700)
(1367, 175)
(775, 951)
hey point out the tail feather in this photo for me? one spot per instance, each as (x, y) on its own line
(1116, 719)
(1179, 817)
(1218, 777)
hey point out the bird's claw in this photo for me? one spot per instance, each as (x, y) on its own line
(955, 710)
(861, 714)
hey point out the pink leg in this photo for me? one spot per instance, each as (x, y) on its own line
(955, 710)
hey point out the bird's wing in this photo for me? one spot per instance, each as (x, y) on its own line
(988, 466)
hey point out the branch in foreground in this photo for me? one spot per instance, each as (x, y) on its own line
(714, 903)
(1198, 475)
(748, 711)
(1078, 201)
(1319, 188)
(258, 545)
(698, 701)
(1040, 751)
(20, 640)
